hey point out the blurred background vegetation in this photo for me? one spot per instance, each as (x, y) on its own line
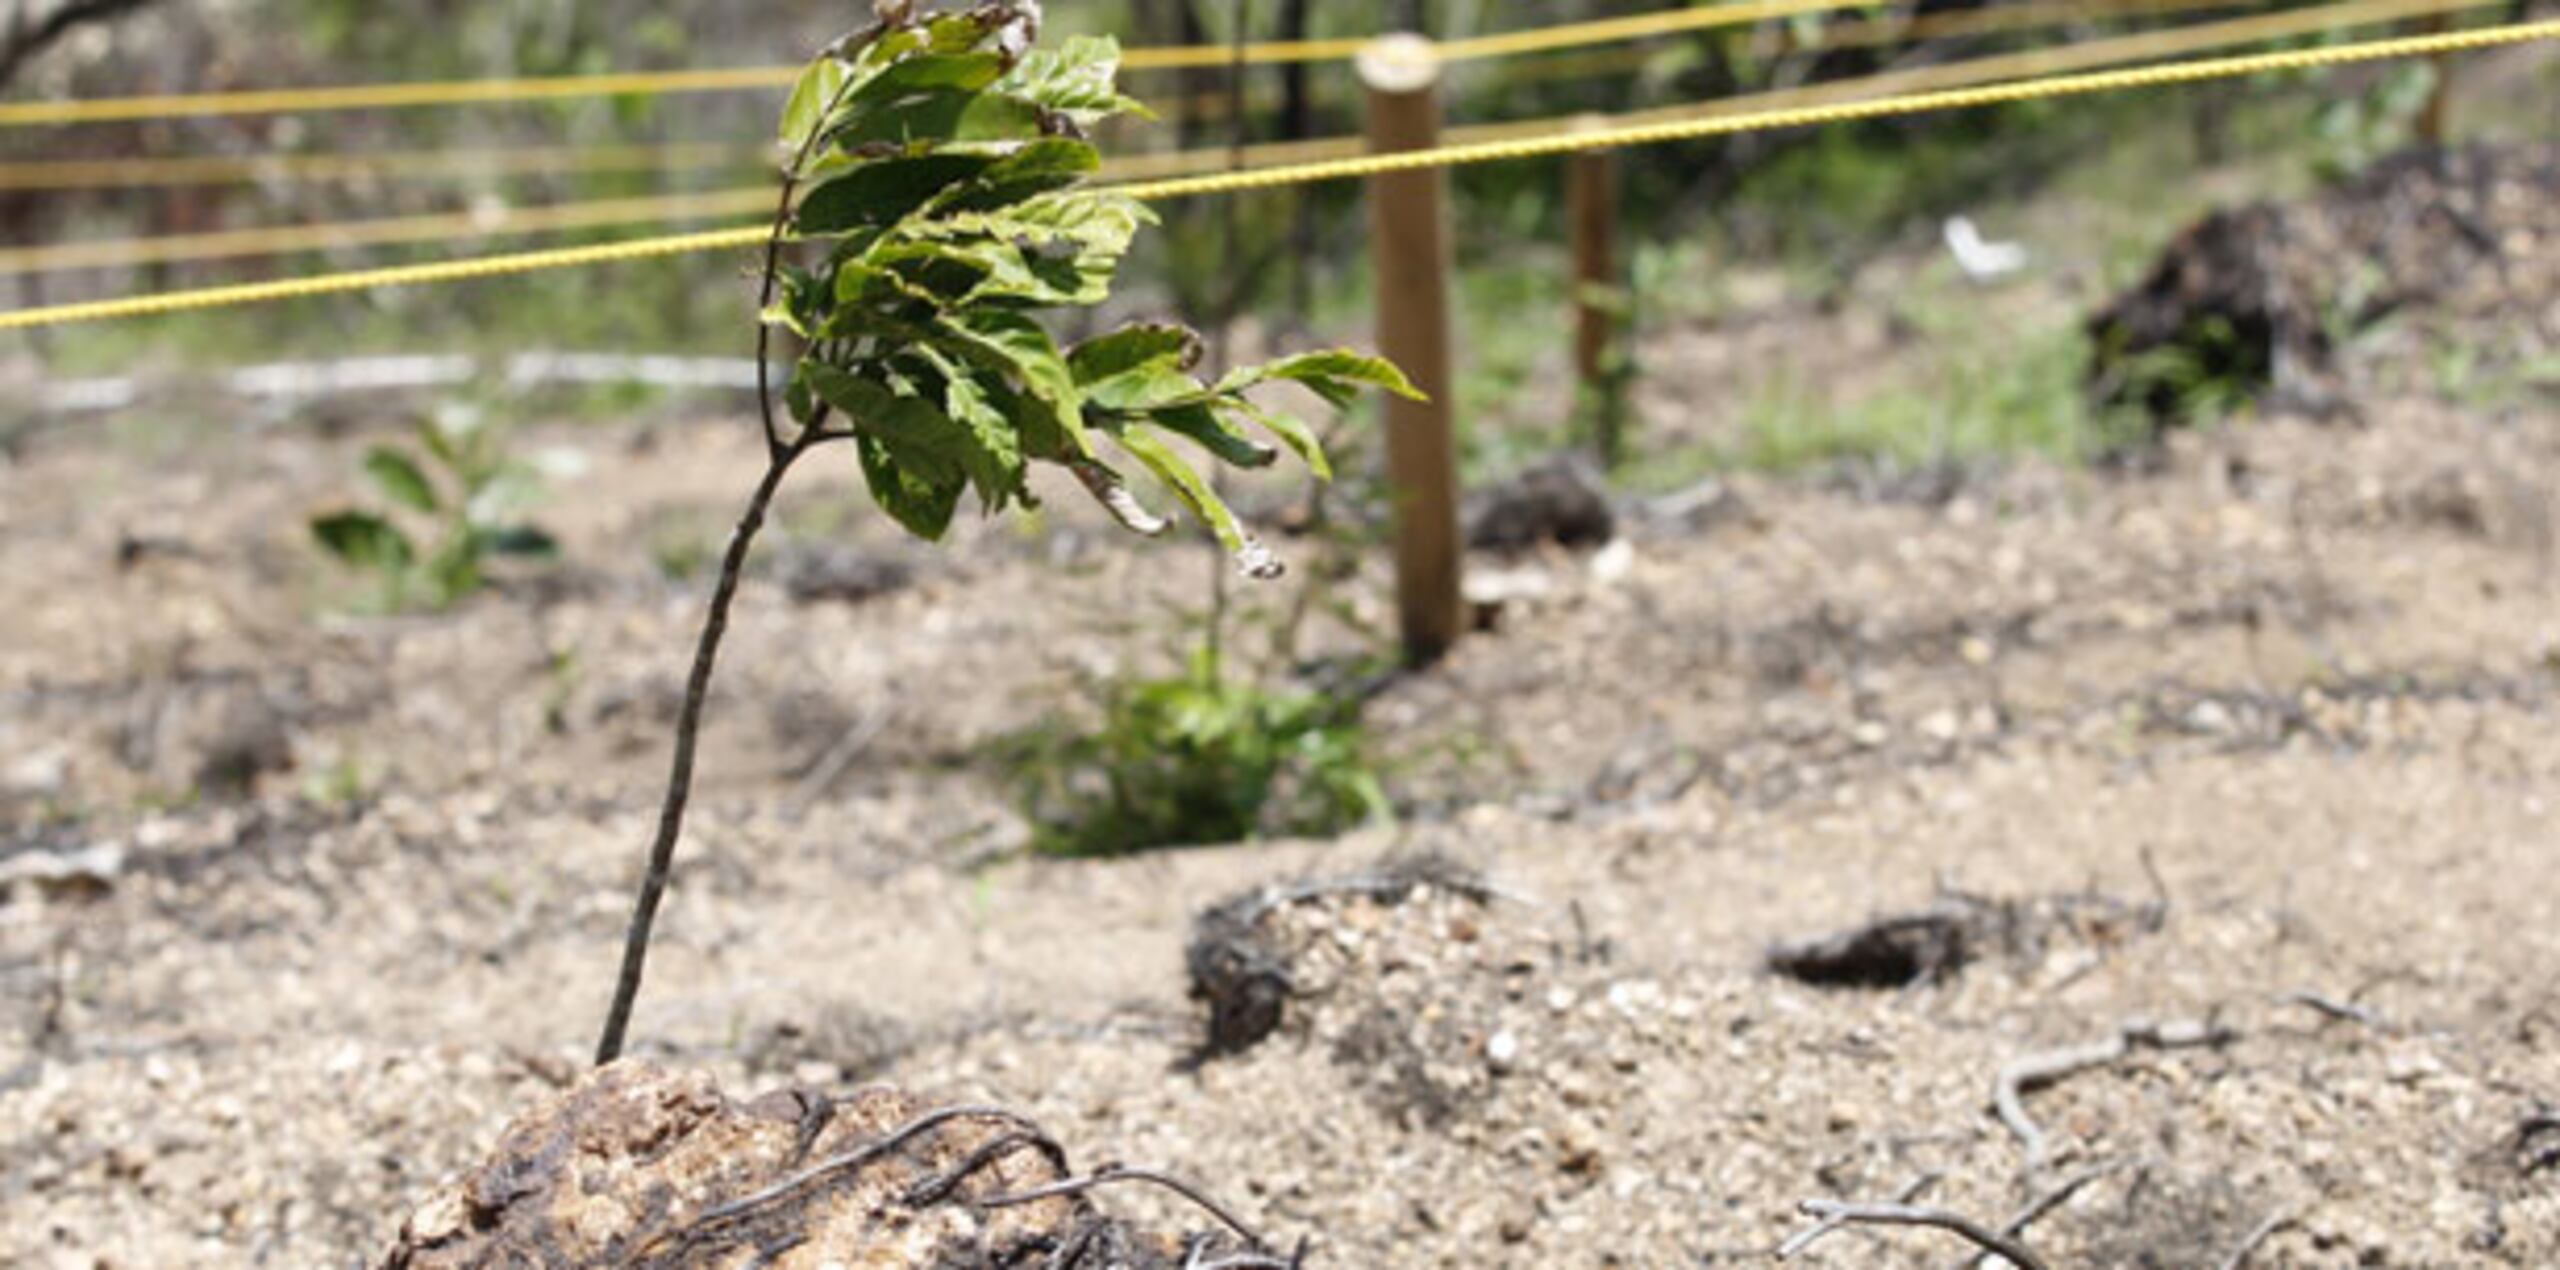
(1819, 220)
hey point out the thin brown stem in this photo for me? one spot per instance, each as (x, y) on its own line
(697, 689)
(779, 456)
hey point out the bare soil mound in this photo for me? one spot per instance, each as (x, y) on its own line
(639, 1166)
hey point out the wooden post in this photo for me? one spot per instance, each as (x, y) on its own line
(1409, 256)
(1591, 210)
(2434, 117)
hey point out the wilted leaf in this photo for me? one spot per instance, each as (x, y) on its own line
(1113, 493)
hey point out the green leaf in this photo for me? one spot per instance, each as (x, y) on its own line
(942, 117)
(1042, 167)
(912, 432)
(1202, 422)
(806, 111)
(399, 479)
(523, 540)
(990, 415)
(883, 191)
(1291, 431)
(1144, 389)
(1178, 476)
(1337, 375)
(1019, 348)
(1130, 347)
(923, 507)
(454, 569)
(1076, 80)
(926, 75)
(364, 540)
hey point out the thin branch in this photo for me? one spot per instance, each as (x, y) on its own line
(2054, 1197)
(2343, 1011)
(2259, 1234)
(2035, 1071)
(773, 442)
(1803, 1239)
(697, 691)
(25, 42)
(854, 1161)
(1834, 1215)
(1113, 1174)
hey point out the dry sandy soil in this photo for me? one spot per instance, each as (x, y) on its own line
(2275, 719)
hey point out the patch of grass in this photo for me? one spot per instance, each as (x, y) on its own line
(1985, 399)
(1204, 756)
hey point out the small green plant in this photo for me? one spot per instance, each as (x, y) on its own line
(1208, 755)
(2354, 130)
(472, 511)
(933, 205)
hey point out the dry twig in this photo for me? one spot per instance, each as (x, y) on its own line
(2008, 1090)
(1832, 1215)
(2260, 1234)
(2054, 1197)
(1802, 1239)
(2343, 1011)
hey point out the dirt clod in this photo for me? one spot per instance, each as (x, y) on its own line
(1560, 501)
(1890, 952)
(1241, 966)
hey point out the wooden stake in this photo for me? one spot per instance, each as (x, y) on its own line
(2436, 115)
(1591, 210)
(1409, 253)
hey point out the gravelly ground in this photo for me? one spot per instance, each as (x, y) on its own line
(2306, 672)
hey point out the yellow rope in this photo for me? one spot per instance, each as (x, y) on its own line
(1344, 169)
(396, 165)
(491, 222)
(415, 165)
(2027, 64)
(2085, 55)
(475, 92)
(271, 240)
(1694, 129)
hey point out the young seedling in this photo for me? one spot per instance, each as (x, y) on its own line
(472, 508)
(936, 189)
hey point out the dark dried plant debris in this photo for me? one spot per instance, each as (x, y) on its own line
(1932, 945)
(1244, 975)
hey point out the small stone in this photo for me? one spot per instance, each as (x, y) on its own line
(1502, 1051)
